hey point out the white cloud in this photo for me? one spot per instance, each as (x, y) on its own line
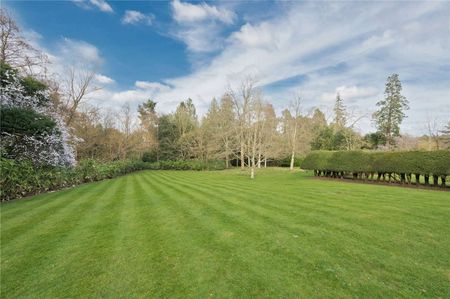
(184, 12)
(156, 86)
(78, 52)
(103, 79)
(200, 39)
(102, 5)
(379, 40)
(255, 36)
(200, 26)
(349, 93)
(136, 17)
(339, 47)
(336, 46)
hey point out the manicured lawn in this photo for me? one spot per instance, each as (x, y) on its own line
(218, 234)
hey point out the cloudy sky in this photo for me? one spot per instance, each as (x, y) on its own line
(174, 50)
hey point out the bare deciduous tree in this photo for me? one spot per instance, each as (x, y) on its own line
(78, 86)
(242, 100)
(256, 126)
(15, 50)
(434, 132)
(295, 113)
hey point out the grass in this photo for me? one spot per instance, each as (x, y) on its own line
(218, 234)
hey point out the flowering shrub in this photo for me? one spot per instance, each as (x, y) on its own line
(30, 128)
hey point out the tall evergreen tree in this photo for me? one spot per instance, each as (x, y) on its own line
(340, 113)
(391, 110)
(147, 114)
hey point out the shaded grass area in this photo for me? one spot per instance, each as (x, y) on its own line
(394, 181)
(219, 234)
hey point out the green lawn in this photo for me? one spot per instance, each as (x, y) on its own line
(218, 234)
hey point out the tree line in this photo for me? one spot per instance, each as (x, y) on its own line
(43, 115)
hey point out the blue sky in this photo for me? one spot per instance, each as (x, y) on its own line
(172, 50)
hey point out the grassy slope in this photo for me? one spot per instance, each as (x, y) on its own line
(200, 234)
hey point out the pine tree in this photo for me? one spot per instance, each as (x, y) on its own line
(340, 112)
(391, 112)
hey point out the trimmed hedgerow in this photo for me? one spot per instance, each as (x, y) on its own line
(364, 164)
(22, 178)
(188, 165)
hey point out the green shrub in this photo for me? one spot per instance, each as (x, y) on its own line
(431, 163)
(188, 165)
(284, 162)
(150, 156)
(22, 178)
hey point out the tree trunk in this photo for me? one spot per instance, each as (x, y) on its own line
(242, 156)
(436, 181)
(292, 160)
(227, 158)
(427, 179)
(252, 164)
(259, 160)
(294, 138)
(443, 181)
(417, 175)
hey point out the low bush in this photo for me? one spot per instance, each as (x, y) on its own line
(150, 156)
(364, 164)
(22, 178)
(284, 162)
(188, 165)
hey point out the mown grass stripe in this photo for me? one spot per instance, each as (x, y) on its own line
(259, 248)
(56, 201)
(255, 201)
(376, 248)
(54, 234)
(184, 204)
(325, 206)
(219, 234)
(22, 226)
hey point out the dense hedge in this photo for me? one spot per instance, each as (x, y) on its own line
(188, 165)
(21, 178)
(283, 162)
(367, 165)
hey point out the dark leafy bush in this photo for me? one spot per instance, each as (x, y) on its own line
(421, 162)
(22, 178)
(284, 162)
(25, 121)
(150, 156)
(404, 164)
(188, 165)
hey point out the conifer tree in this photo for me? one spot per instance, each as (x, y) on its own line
(391, 110)
(340, 112)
